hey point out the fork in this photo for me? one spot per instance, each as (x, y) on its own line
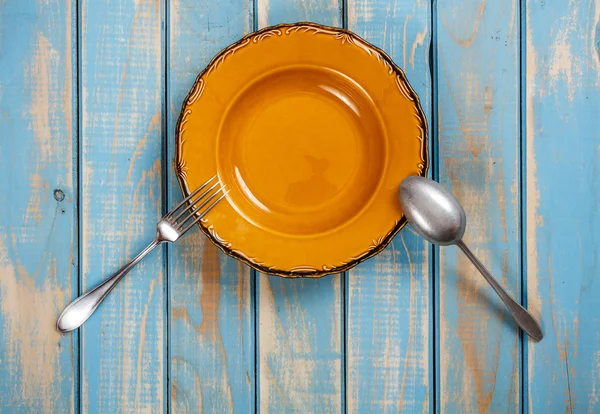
(168, 230)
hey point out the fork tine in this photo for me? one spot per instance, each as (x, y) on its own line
(195, 200)
(196, 209)
(196, 191)
(201, 215)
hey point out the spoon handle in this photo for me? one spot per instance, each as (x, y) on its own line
(523, 318)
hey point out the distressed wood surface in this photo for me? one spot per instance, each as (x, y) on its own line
(300, 354)
(478, 101)
(123, 345)
(89, 95)
(563, 203)
(38, 226)
(388, 302)
(211, 295)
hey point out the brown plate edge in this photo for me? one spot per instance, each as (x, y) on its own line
(369, 253)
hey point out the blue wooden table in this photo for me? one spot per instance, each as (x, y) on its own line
(89, 95)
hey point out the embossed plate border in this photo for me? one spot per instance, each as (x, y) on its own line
(345, 36)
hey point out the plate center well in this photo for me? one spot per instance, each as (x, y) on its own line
(302, 150)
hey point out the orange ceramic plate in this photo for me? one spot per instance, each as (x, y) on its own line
(311, 129)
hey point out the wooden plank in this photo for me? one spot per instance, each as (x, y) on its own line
(563, 203)
(38, 214)
(300, 344)
(300, 353)
(388, 301)
(121, 126)
(478, 101)
(211, 295)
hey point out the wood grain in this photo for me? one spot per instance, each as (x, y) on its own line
(212, 303)
(137, 61)
(123, 367)
(300, 349)
(300, 339)
(38, 227)
(478, 100)
(563, 203)
(388, 303)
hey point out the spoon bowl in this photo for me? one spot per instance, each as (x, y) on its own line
(432, 211)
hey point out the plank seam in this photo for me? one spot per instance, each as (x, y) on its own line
(254, 302)
(254, 23)
(165, 206)
(255, 280)
(344, 282)
(521, 198)
(344, 333)
(79, 180)
(434, 250)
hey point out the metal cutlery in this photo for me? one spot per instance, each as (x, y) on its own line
(437, 215)
(169, 229)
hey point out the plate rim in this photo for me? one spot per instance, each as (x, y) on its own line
(383, 241)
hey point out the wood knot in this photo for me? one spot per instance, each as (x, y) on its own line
(59, 195)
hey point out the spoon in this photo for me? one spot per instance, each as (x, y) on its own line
(437, 215)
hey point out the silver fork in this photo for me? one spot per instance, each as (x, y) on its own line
(168, 230)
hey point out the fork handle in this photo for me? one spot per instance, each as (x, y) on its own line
(84, 306)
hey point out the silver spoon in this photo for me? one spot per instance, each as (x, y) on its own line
(437, 215)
